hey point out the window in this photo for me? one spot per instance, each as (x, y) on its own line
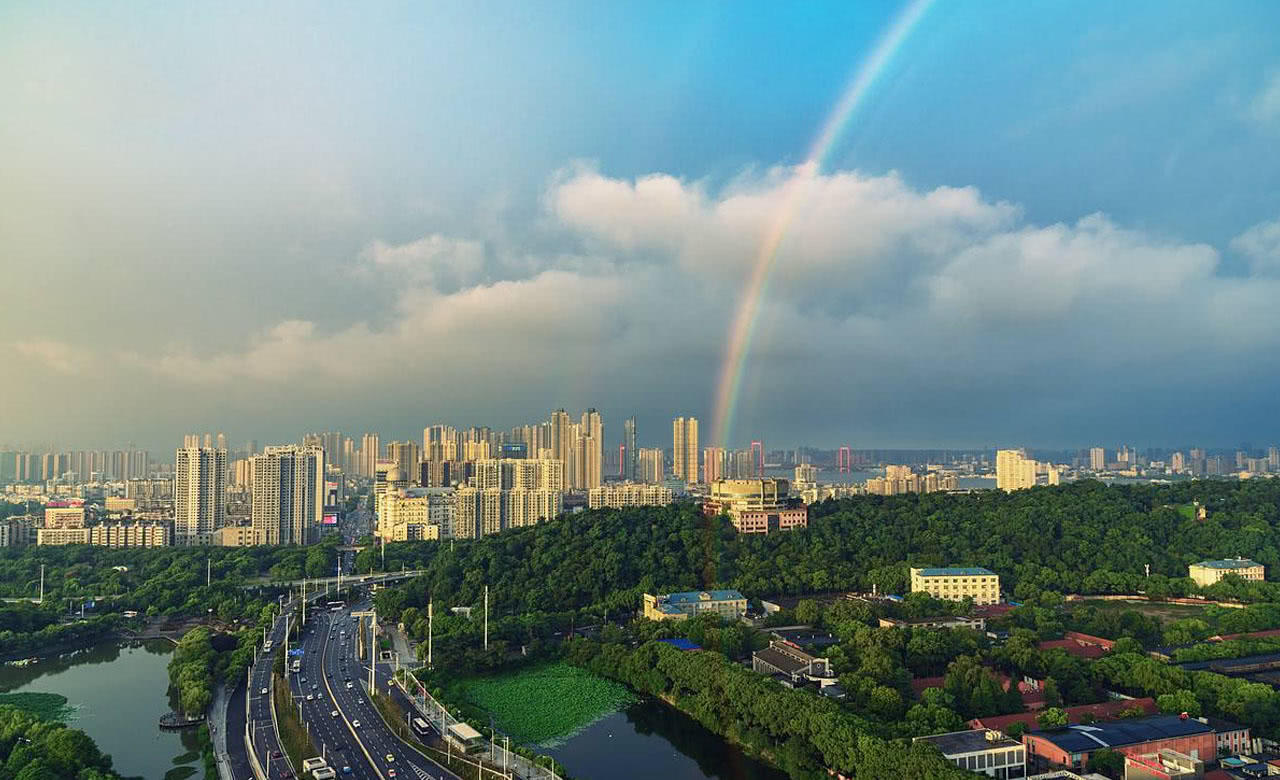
(982, 760)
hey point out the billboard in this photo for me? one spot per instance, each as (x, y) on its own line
(329, 518)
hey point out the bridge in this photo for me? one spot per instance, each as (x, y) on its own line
(352, 580)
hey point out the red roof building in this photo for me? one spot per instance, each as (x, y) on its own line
(1101, 711)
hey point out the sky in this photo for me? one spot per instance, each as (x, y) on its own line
(1044, 224)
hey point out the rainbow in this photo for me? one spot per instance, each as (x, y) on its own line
(743, 327)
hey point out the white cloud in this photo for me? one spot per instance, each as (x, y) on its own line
(1265, 106)
(1261, 244)
(881, 293)
(56, 355)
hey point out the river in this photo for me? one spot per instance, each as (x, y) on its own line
(119, 692)
(650, 739)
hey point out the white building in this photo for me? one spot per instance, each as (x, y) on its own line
(200, 490)
(288, 494)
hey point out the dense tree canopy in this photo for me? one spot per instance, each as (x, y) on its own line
(35, 749)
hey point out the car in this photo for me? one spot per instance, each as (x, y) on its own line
(346, 770)
(302, 680)
(350, 686)
(334, 713)
(314, 686)
(390, 758)
(311, 697)
(391, 773)
(275, 754)
(263, 691)
(355, 724)
(329, 675)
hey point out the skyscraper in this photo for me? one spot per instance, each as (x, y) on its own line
(370, 454)
(713, 464)
(200, 494)
(629, 453)
(288, 494)
(590, 450)
(684, 449)
(1097, 459)
(561, 436)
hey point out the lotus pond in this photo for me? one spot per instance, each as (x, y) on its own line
(545, 704)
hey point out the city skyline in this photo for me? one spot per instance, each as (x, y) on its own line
(882, 232)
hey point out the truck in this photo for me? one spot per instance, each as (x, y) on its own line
(313, 763)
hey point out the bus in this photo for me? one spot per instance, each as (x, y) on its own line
(421, 728)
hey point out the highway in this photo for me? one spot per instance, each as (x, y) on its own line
(354, 737)
(266, 746)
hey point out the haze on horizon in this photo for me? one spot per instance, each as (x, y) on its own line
(1048, 224)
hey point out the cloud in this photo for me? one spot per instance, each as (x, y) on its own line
(883, 298)
(1265, 106)
(1261, 244)
(55, 355)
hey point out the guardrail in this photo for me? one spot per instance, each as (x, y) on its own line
(441, 719)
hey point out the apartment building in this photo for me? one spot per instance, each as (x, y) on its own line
(1209, 572)
(628, 494)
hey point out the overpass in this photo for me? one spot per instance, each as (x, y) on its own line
(352, 580)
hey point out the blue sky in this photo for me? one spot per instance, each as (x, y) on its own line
(208, 207)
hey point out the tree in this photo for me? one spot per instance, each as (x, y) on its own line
(808, 612)
(1052, 718)
(1108, 762)
(1052, 698)
(1178, 702)
(1015, 730)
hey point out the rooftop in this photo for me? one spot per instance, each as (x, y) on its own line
(965, 571)
(681, 644)
(1228, 563)
(1083, 739)
(695, 596)
(790, 663)
(1100, 711)
(959, 742)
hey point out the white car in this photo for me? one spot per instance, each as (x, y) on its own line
(334, 713)
(350, 685)
(355, 724)
(310, 697)
(264, 691)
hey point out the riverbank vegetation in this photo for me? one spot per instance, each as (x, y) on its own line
(45, 706)
(33, 748)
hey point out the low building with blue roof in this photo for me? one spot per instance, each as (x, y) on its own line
(957, 583)
(729, 604)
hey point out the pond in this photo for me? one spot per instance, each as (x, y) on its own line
(119, 693)
(650, 739)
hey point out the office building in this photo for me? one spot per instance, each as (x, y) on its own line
(288, 494)
(628, 494)
(728, 604)
(756, 505)
(1097, 459)
(957, 584)
(1209, 572)
(1014, 470)
(684, 449)
(200, 494)
(630, 455)
(985, 752)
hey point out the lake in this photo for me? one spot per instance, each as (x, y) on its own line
(650, 739)
(119, 692)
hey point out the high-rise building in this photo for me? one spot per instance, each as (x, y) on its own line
(200, 494)
(405, 455)
(1014, 470)
(684, 449)
(370, 454)
(1097, 459)
(650, 466)
(349, 464)
(713, 464)
(561, 436)
(630, 455)
(1178, 463)
(288, 494)
(589, 454)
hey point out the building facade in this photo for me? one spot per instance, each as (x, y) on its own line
(288, 494)
(1209, 572)
(956, 584)
(200, 494)
(1014, 470)
(684, 449)
(985, 752)
(235, 536)
(728, 604)
(756, 505)
(1071, 748)
(628, 494)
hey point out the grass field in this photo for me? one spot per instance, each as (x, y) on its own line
(47, 706)
(1165, 612)
(545, 704)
